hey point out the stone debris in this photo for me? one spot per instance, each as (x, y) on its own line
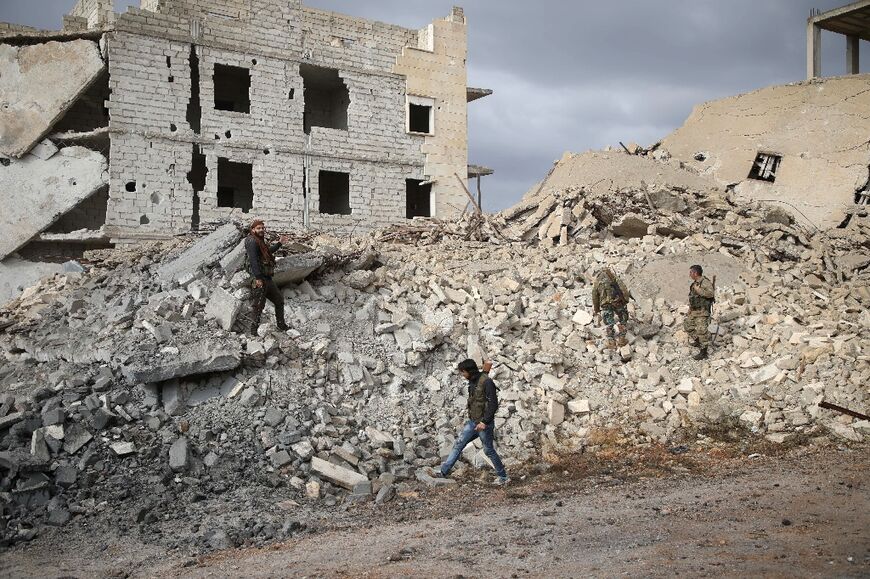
(123, 383)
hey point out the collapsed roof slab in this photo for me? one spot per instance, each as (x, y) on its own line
(817, 129)
(35, 193)
(38, 84)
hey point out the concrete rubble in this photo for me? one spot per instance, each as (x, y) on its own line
(132, 367)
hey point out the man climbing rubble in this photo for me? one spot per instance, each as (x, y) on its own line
(701, 298)
(482, 405)
(610, 301)
(261, 260)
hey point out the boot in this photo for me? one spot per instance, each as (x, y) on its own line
(279, 318)
(702, 354)
(621, 341)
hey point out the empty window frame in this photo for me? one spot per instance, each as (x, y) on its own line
(334, 193)
(421, 115)
(326, 98)
(235, 185)
(765, 166)
(418, 199)
(232, 88)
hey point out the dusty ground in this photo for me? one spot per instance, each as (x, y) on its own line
(713, 512)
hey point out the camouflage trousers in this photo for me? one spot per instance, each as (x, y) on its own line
(697, 325)
(610, 316)
(258, 298)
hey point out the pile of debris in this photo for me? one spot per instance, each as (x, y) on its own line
(133, 401)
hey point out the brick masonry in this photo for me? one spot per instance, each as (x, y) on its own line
(151, 88)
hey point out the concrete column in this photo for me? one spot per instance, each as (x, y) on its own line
(852, 62)
(814, 51)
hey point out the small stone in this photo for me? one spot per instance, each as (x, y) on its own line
(123, 448)
(178, 455)
(281, 458)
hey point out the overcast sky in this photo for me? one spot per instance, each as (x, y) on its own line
(573, 76)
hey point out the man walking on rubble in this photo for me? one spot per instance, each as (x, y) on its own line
(610, 301)
(261, 260)
(701, 298)
(482, 405)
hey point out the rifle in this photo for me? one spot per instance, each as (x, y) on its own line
(712, 309)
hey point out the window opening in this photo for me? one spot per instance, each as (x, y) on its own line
(235, 185)
(334, 193)
(232, 87)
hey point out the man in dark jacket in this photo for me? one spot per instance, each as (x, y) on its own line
(261, 260)
(482, 404)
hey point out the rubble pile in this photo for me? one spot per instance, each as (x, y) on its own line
(133, 399)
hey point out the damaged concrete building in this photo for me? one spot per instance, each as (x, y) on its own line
(125, 127)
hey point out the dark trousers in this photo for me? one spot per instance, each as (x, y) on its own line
(270, 292)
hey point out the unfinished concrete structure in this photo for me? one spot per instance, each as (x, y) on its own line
(210, 109)
(803, 147)
(852, 21)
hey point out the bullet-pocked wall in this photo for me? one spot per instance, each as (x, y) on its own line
(218, 106)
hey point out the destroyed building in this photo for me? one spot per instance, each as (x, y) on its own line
(182, 112)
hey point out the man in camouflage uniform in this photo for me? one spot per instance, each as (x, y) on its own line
(701, 298)
(610, 301)
(261, 266)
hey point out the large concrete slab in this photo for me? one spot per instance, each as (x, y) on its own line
(204, 357)
(207, 251)
(819, 129)
(35, 193)
(295, 268)
(38, 84)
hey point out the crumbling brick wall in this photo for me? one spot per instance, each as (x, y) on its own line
(154, 135)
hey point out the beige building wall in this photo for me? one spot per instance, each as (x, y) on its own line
(819, 128)
(435, 69)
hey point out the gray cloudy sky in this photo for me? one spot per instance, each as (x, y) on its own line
(583, 74)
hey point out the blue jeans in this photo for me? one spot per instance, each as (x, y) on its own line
(468, 434)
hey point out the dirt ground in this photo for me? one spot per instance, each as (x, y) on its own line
(719, 511)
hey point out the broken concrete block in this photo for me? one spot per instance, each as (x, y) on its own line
(250, 397)
(582, 318)
(53, 416)
(38, 84)
(303, 449)
(223, 307)
(233, 260)
(427, 479)
(360, 279)
(555, 412)
(630, 225)
(379, 439)
(341, 476)
(551, 383)
(281, 458)
(123, 448)
(312, 489)
(36, 193)
(38, 447)
(295, 268)
(205, 252)
(203, 357)
(579, 407)
(75, 438)
(65, 476)
(178, 455)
